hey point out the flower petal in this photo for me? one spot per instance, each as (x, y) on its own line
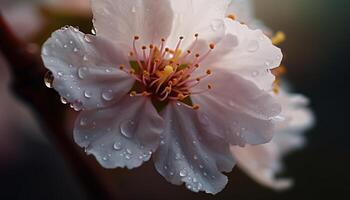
(261, 162)
(236, 109)
(189, 154)
(124, 135)
(121, 20)
(85, 68)
(204, 17)
(247, 52)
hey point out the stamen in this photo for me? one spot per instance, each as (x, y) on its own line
(232, 16)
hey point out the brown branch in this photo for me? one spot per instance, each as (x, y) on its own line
(28, 72)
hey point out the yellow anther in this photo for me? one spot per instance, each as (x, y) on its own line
(132, 71)
(180, 96)
(278, 38)
(195, 107)
(168, 89)
(165, 73)
(133, 93)
(232, 16)
(146, 73)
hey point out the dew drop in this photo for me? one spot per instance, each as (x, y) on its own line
(195, 157)
(82, 72)
(77, 105)
(87, 38)
(255, 73)
(63, 100)
(71, 42)
(85, 58)
(93, 31)
(127, 157)
(87, 94)
(107, 95)
(48, 79)
(127, 128)
(128, 151)
(253, 46)
(75, 50)
(59, 73)
(65, 46)
(117, 146)
(83, 122)
(182, 173)
(162, 142)
(104, 158)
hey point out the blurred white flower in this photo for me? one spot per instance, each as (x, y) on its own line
(171, 77)
(263, 162)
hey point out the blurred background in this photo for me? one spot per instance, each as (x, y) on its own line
(316, 55)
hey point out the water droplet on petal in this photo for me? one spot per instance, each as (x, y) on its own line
(128, 151)
(59, 73)
(182, 173)
(107, 95)
(87, 94)
(83, 122)
(127, 128)
(65, 46)
(253, 46)
(216, 25)
(75, 50)
(93, 31)
(77, 105)
(63, 100)
(87, 38)
(48, 79)
(195, 157)
(255, 73)
(82, 72)
(85, 58)
(277, 119)
(117, 146)
(104, 158)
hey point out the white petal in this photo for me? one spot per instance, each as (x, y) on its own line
(121, 20)
(190, 154)
(244, 11)
(204, 17)
(261, 162)
(247, 52)
(124, 135)
(236, 109)
(86, 68)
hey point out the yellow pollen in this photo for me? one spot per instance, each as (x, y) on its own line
(133, 93)
(231, 16)
(165, 73)
(278, 38)
(195, 107)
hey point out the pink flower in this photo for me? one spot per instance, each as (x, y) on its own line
(173, 78)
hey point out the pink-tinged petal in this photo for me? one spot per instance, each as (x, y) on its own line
(261, 162)
(204, 17)
(86, 68)
(121, 20)
(190, 154)
(246, 52)
(244, 11)
(236, 109)
(123, 135)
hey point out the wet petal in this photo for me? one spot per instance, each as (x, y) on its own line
(123, 135)
(191, 155)
(236, 109)
(204, 17)
(121, 20)
(246, 52)
(86, 68)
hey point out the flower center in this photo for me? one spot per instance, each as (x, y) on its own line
(166, 74)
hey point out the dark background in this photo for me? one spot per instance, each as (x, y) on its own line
(317, 58)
